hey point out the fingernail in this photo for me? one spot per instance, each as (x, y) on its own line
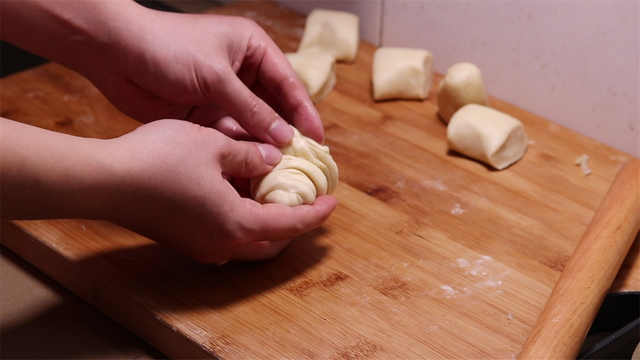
(281, 132)
(271, 154)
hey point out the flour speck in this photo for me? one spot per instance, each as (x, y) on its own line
(457, 210)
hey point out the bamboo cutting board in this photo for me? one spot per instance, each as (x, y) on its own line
(428, 255)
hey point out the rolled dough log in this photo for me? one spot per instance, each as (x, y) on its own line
(402, 73)
(462, 85)
(306, 171)
(317, 72)
(488, 135)
(331, 32)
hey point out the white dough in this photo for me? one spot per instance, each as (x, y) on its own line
(307, 170)
(289, 183)
(401, 73)
(462, 85)
(583, 161)
(488, 135)
(316, 71)
(331, 32)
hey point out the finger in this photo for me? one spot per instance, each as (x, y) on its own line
(258, 250)
(265, 64)
(251, 112)
(247, 159)
(278, 222)
(214, 117)
(278, 77)
(270, 99)
(147, 106)
(206, 115)
(230, 127)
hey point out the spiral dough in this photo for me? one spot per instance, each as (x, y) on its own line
(306, 171)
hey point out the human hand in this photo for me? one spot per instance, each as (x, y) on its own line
(167, 180)
(156, 65)
(172, 187)
(203, 68)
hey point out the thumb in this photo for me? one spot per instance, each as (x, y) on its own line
(248, 159)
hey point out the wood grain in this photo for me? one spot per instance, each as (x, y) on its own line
(574, 302)
(428, 255)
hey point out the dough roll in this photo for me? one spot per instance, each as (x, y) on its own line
(487, 135)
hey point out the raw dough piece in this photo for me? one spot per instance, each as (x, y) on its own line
(331, 32)
(317, 72)
(583, 161)
(401, 73)
(306, 171)
(488, 135)
(462, 85)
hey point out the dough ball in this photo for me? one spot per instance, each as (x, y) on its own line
(306, 171)
(487, 135)
(331, 32)
(317, 72)
(462, 85)
(401, 73)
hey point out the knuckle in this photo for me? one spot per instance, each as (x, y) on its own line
(256, 111)
(251, 26)
(244, 166)
(250, 22)
(211, 81)
(287, 85)
(254, 156)
(248, 163)
(225, 152)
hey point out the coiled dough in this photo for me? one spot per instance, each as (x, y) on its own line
(306, 171)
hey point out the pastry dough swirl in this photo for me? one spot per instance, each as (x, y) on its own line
(306, 171)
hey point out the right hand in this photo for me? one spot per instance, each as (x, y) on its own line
(157, 65)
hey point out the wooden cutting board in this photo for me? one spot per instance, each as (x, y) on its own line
(428, 255)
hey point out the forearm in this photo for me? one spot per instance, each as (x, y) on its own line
(73, 33)
(45, 175)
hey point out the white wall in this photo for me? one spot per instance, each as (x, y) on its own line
(576, 63)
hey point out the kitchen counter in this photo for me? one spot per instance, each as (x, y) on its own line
(429, 254)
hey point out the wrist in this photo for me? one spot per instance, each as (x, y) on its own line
(90, 183)
(76, 34)
(56, 175)
(104, 39)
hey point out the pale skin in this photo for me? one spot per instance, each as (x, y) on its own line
(168, 180)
